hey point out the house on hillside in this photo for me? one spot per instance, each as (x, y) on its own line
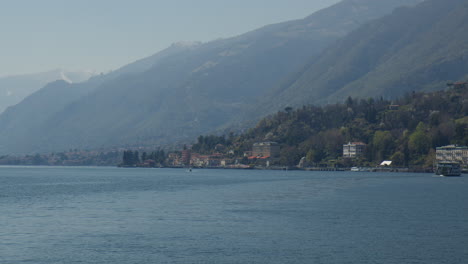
(266, 149)
(354, 149)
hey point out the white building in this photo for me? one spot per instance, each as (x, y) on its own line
(452, 153)
(266, 149)
(353, 149)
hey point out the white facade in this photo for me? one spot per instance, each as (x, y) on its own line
(452, 153)
(353, 149)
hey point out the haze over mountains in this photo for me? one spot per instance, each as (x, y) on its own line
(414, 49)
(193, 88)
(15, 88)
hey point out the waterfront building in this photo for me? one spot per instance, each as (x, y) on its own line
(174, 159)
(266, 149)
(452, 154)
(353, 149)
(227, 162)
(210, 161)
(186, 156)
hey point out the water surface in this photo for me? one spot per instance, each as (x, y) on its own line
(111, 215)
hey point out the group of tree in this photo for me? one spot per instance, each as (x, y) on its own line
(211, 143)
(406, 130)
(134, 159)
(68, 158)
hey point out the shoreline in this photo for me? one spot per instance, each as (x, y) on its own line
(283, 168)
(286, 168)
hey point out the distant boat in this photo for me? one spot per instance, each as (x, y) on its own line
(355, 169)
(448, 169)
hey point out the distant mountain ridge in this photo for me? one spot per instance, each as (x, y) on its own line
(182, 92)
(414, 48)
(21, 126)
(15, 88)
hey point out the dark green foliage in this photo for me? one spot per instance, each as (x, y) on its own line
(136, 157)
(132, 158)
(159, 157)
(382, 145)
(419, 142)
(461, 130)
(70, 158)
(290, 156)
(208, 144)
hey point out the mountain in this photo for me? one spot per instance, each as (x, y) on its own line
(15, 88)
(418, 48)
(174, 96)
(22, 125)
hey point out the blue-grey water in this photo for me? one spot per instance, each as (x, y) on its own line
(111, 215)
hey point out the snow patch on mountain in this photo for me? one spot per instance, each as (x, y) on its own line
(64, 77)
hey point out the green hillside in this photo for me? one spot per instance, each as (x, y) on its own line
(406, 130)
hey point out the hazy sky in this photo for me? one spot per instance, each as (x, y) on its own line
(40, 35)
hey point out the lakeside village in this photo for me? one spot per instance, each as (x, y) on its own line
(418, 132)
(263, 155)
(266, 155)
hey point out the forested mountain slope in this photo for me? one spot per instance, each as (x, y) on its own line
(413, 49)
(406, 130)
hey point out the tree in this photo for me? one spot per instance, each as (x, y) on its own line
(349, 101)
(315, 155)
(127, 159)
(136, 158)
(419, 143)
(290, 156)
(461, 134)
(398, 158)
(383, 144)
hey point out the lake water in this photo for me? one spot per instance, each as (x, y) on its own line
(111, 215)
